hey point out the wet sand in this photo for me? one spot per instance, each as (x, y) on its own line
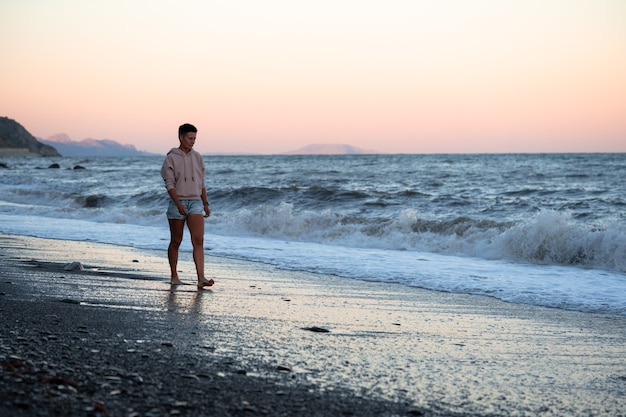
(117, 339)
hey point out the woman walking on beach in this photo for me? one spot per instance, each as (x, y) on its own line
(183, 172)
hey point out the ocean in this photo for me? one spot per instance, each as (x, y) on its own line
(539, 229)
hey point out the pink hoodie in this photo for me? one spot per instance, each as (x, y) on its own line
(185, 172)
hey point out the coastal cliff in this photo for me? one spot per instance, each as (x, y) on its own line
(15, 140)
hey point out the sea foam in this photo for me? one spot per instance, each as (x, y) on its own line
(547, 238)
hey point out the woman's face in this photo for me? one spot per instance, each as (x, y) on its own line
(187, 141)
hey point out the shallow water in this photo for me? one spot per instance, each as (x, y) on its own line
(540, 229)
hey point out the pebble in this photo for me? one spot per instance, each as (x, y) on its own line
(316, 329)
(74, 266)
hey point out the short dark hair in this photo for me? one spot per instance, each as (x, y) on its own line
(186, 128)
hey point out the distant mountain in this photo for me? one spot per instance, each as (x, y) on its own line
(15, 140)
(91, 147)
(330, 149)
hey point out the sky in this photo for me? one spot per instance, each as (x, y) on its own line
(271, 76)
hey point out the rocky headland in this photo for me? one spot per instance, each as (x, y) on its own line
(15, 140)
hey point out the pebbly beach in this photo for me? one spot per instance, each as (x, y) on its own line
(113, 337)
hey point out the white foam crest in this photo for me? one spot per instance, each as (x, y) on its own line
(547, 238)
(555, 238)
(279, 222)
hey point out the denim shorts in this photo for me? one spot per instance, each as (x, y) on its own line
(192, 206)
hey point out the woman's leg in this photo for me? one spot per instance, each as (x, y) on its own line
(176, 237)
(195, 223)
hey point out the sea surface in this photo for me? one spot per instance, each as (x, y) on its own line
(541, 229)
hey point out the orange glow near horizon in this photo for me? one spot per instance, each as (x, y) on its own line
(420, 76)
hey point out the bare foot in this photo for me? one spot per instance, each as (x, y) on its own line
(205, 283)
(175, 281)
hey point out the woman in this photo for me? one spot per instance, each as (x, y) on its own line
(183, 172)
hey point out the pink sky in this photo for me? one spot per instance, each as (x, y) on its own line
(415, 76)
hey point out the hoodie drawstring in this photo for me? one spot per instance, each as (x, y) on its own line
(185, 167)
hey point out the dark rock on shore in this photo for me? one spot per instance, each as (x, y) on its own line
(92, 201)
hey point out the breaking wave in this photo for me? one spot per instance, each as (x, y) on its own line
(548, 238)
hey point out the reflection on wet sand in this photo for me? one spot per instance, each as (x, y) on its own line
(182, 300)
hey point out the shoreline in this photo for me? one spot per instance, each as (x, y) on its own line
(388, 350)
